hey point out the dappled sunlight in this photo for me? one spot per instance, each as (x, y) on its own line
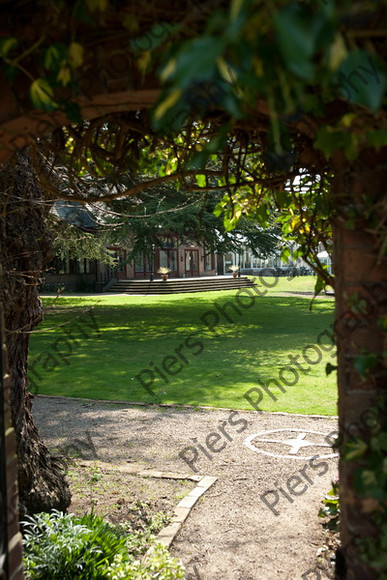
(203, 349)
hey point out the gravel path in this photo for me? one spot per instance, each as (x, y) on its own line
(259, 520)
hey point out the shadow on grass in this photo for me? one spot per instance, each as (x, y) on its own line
(227, 353)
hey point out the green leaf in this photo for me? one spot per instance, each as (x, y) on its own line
(201, 180)
(362, 80)
(282, 198)
(354, 450)
(197, 61)
(166, 104)
(377, 138)
(42, 95)
(365, 362)
(76, 54)
(236, 7)
(285, 254)
(54, 55)
(219, 208)
(64, 75)
(7, 43)
(329, 139)
(338, 52)
(298, 36)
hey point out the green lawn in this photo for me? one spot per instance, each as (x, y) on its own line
(284, 284)
(186, 351)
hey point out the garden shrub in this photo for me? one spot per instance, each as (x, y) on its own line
(61, 546)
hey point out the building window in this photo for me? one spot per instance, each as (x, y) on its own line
(209, 262)
(139, 263)
(142, 264)
(228, 261)
(86, 266)
(168, 259)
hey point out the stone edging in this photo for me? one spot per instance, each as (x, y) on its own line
(183, 508)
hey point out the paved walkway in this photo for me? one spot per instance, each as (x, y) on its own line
(259, 519)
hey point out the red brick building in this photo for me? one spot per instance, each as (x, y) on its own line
(184, 259)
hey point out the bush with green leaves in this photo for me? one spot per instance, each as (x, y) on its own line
(65, 546)
(331, 507)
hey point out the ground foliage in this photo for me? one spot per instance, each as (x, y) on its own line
(66, 546)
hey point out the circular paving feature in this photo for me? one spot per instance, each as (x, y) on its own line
(291, 443)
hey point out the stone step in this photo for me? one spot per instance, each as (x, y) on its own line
(166, 286)
(176, 286)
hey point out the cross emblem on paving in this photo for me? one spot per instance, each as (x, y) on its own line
(296, 443)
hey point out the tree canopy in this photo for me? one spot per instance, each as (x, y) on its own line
(140, 223)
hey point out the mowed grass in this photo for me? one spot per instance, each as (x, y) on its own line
(190, 349)
(283, 284)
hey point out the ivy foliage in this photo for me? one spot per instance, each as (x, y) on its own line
(301, 58)
(370, 453)
(266, 91)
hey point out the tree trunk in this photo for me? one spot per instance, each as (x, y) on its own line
(360, 204)
(25, 250)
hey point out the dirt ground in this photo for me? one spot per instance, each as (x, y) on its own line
(258, 521)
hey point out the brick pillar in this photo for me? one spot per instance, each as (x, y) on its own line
(359, 199)
(10, 538)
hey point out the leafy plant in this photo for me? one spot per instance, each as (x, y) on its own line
(158, 564)
(163, 270)
(58, 545)
(95, 477)
(331, 507)
(64, 546)
(370, 484)
(234, 268)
